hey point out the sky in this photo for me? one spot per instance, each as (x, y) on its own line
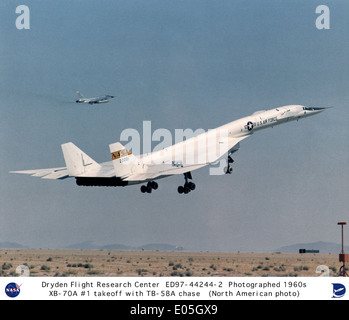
(179, 64)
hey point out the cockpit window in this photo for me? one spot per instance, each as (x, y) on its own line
(309, 109)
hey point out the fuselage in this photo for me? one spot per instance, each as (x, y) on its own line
(93, 100)
(268, 118)
(212, 144)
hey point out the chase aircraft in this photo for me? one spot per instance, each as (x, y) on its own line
(182, 158)
(82, 99)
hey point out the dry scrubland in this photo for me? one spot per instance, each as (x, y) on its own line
(52, 263)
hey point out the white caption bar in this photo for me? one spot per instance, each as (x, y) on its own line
(174, 288)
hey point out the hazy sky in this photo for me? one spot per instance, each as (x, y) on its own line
(179, 64)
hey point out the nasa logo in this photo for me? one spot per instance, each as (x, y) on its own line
(12, 290)
(338, 290)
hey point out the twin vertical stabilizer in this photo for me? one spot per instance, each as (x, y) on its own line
(124, 162)
(77, 162)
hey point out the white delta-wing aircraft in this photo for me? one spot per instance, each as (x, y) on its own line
(181, 158)
(82, 99)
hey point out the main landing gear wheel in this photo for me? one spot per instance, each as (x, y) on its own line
(151, 185)
(188, 185)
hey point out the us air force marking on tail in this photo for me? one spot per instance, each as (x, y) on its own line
(181, 158)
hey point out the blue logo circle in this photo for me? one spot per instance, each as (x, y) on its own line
(338, 290)
(12, 290)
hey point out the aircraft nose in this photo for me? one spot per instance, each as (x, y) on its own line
(314, 110)
(319, 109)
(310, 111)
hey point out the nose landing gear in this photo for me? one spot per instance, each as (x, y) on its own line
(228, 169)
(188, 185)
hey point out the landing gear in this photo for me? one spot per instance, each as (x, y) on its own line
(188, 185)
(151, 185)
(228, 169)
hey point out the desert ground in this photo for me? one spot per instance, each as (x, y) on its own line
(51, 263)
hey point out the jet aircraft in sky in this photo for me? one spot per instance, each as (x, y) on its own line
(181, 158)
(82, 99)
